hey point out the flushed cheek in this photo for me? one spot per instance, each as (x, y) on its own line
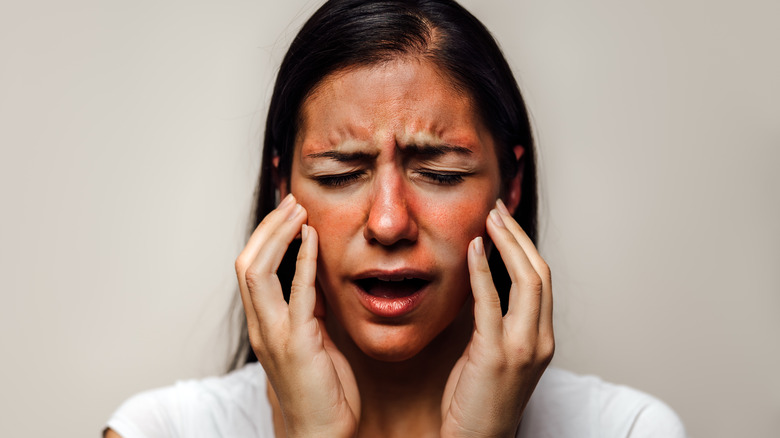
(327, 214)
(335, 223)
(454, 225)
(338, 225)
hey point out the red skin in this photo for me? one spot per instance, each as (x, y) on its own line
(393, 217)
(397, 178)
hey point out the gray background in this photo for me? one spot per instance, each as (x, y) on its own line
(130, 135)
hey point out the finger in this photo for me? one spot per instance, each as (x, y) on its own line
(252, 323)
(546, 314)
(302, 292)
(452, 384)
(525, 294)
(262, 282)
(260, 234)
(248, 254)
(487, 305)
(540, 266)
(320, 308)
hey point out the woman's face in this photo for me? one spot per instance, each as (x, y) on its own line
(397, 174)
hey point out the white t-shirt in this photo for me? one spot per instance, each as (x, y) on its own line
(564, 405)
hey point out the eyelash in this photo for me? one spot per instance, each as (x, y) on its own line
(338, 180)
(447, 179)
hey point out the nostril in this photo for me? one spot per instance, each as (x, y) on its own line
(390, 219)
(390, 224)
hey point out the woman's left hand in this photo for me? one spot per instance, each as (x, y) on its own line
(491, 383)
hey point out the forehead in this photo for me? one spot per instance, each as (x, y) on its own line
(405, 100)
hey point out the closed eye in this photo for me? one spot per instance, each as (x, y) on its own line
(443, 178)
(338, 180)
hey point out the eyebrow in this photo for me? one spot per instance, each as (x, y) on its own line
(412, 149)
(435, 150)
(345, 157)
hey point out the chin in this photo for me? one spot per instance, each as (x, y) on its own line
(391, 343)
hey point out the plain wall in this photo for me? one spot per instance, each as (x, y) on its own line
(130, 137)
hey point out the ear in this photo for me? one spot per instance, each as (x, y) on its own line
(280, 181)
(513, 189)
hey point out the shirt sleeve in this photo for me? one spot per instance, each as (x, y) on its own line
(657, 420)
(227, 406)
(150, 414)
(628, 413)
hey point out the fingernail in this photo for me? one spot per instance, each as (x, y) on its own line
(479, 247)
(502, 208)
(496, 217)
(297, 209)
(286, 201)
(304, 232)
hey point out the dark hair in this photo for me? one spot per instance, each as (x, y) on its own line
(348, 33)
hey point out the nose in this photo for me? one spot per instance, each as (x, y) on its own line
(389, 218)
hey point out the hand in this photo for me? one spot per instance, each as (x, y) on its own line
(313, 381)
(490, 385)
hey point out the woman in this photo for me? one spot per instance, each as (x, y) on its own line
(398, 150)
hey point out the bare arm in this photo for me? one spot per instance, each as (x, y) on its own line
(108, 433)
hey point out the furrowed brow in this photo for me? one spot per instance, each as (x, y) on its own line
(435, 150)
(344, 157)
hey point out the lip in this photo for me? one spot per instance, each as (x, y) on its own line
(391, 307)
(394, 273)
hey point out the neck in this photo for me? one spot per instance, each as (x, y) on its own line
(404, 398)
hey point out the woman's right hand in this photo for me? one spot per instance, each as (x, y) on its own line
(313, 381)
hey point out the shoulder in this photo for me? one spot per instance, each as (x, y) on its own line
(565, 404)
(231, 405)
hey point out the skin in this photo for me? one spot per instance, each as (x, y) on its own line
(394, 213)
(368, 195)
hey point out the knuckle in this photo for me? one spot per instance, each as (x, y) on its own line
(241, 263)
(257, 347)
(491, 298)
(529, 354)
(546, 349)
(522, 355)
(253, 279)
(256, 342)
(304, 256)
(534, 282)
(297, 285)
(483, 268)
(544, 270)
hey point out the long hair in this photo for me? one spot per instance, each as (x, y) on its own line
(349, 33)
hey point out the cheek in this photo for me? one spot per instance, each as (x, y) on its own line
(336, 221)
(453, 223)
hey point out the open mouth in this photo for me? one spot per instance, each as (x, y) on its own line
(391, 287)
